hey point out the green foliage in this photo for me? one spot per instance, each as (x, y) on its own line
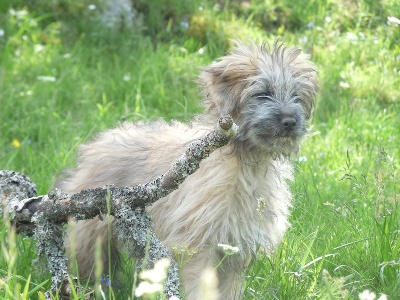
(166, 18)
(64, 77)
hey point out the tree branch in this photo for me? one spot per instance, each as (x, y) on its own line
(41, 215)
(58, 206)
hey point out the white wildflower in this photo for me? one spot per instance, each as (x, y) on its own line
(302, 158)
(18, 13)
(229, 250)
(127, 77)
(46, 78)
(367, 295)
(393, 20)
(91, 7)
(148, 288)
(217, 7)
(38, 48)
(1, 32)
(352, 36)
(27, 93)
(159, 273)
(209, 284)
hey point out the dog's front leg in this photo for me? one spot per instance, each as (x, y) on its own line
(192, 271)
(231, 276)
(229, 269)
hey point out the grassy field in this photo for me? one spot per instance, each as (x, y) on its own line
(64, 76)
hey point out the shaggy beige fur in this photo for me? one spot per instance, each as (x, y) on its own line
(239, 196)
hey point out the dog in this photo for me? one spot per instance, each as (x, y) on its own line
(239, 196)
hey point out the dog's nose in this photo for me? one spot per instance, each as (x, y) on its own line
(289, 123)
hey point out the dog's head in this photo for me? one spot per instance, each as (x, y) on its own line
(268, 91)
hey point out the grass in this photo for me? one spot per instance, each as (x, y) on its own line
(61, 81)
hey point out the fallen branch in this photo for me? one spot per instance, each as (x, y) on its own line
(44, 215)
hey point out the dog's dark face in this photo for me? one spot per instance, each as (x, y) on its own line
(269, 93)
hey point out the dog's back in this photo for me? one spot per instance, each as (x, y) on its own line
(133, 153)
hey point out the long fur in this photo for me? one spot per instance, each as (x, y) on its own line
(239, 196)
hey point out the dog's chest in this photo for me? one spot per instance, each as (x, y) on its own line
(257, 209)
(227, 201)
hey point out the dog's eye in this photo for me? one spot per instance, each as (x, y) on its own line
(296, 98)
(264, 95)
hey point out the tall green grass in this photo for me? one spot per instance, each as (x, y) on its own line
(63, 78)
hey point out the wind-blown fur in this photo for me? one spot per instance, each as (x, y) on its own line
(239, 195)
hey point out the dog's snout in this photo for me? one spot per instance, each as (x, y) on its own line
(289, 123)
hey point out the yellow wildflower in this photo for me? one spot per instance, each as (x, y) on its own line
(16, 143)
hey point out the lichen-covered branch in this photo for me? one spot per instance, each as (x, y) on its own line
(42, 215)
(135, 229)
(13, 188)
(50, 244)
(58, 206)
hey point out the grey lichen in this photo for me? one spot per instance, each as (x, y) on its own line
(135, 230)
(14, 187)
(50, 244)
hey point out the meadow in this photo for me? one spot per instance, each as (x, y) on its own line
(65, 74)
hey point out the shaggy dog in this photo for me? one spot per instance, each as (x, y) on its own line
(239, 195)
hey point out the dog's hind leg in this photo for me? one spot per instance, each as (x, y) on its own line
(85, 239)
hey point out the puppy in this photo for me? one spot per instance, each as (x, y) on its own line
(239, 196)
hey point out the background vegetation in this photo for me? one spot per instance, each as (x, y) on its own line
(66, 72)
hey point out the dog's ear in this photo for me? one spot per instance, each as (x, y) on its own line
(224, 81)
(306, 72)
